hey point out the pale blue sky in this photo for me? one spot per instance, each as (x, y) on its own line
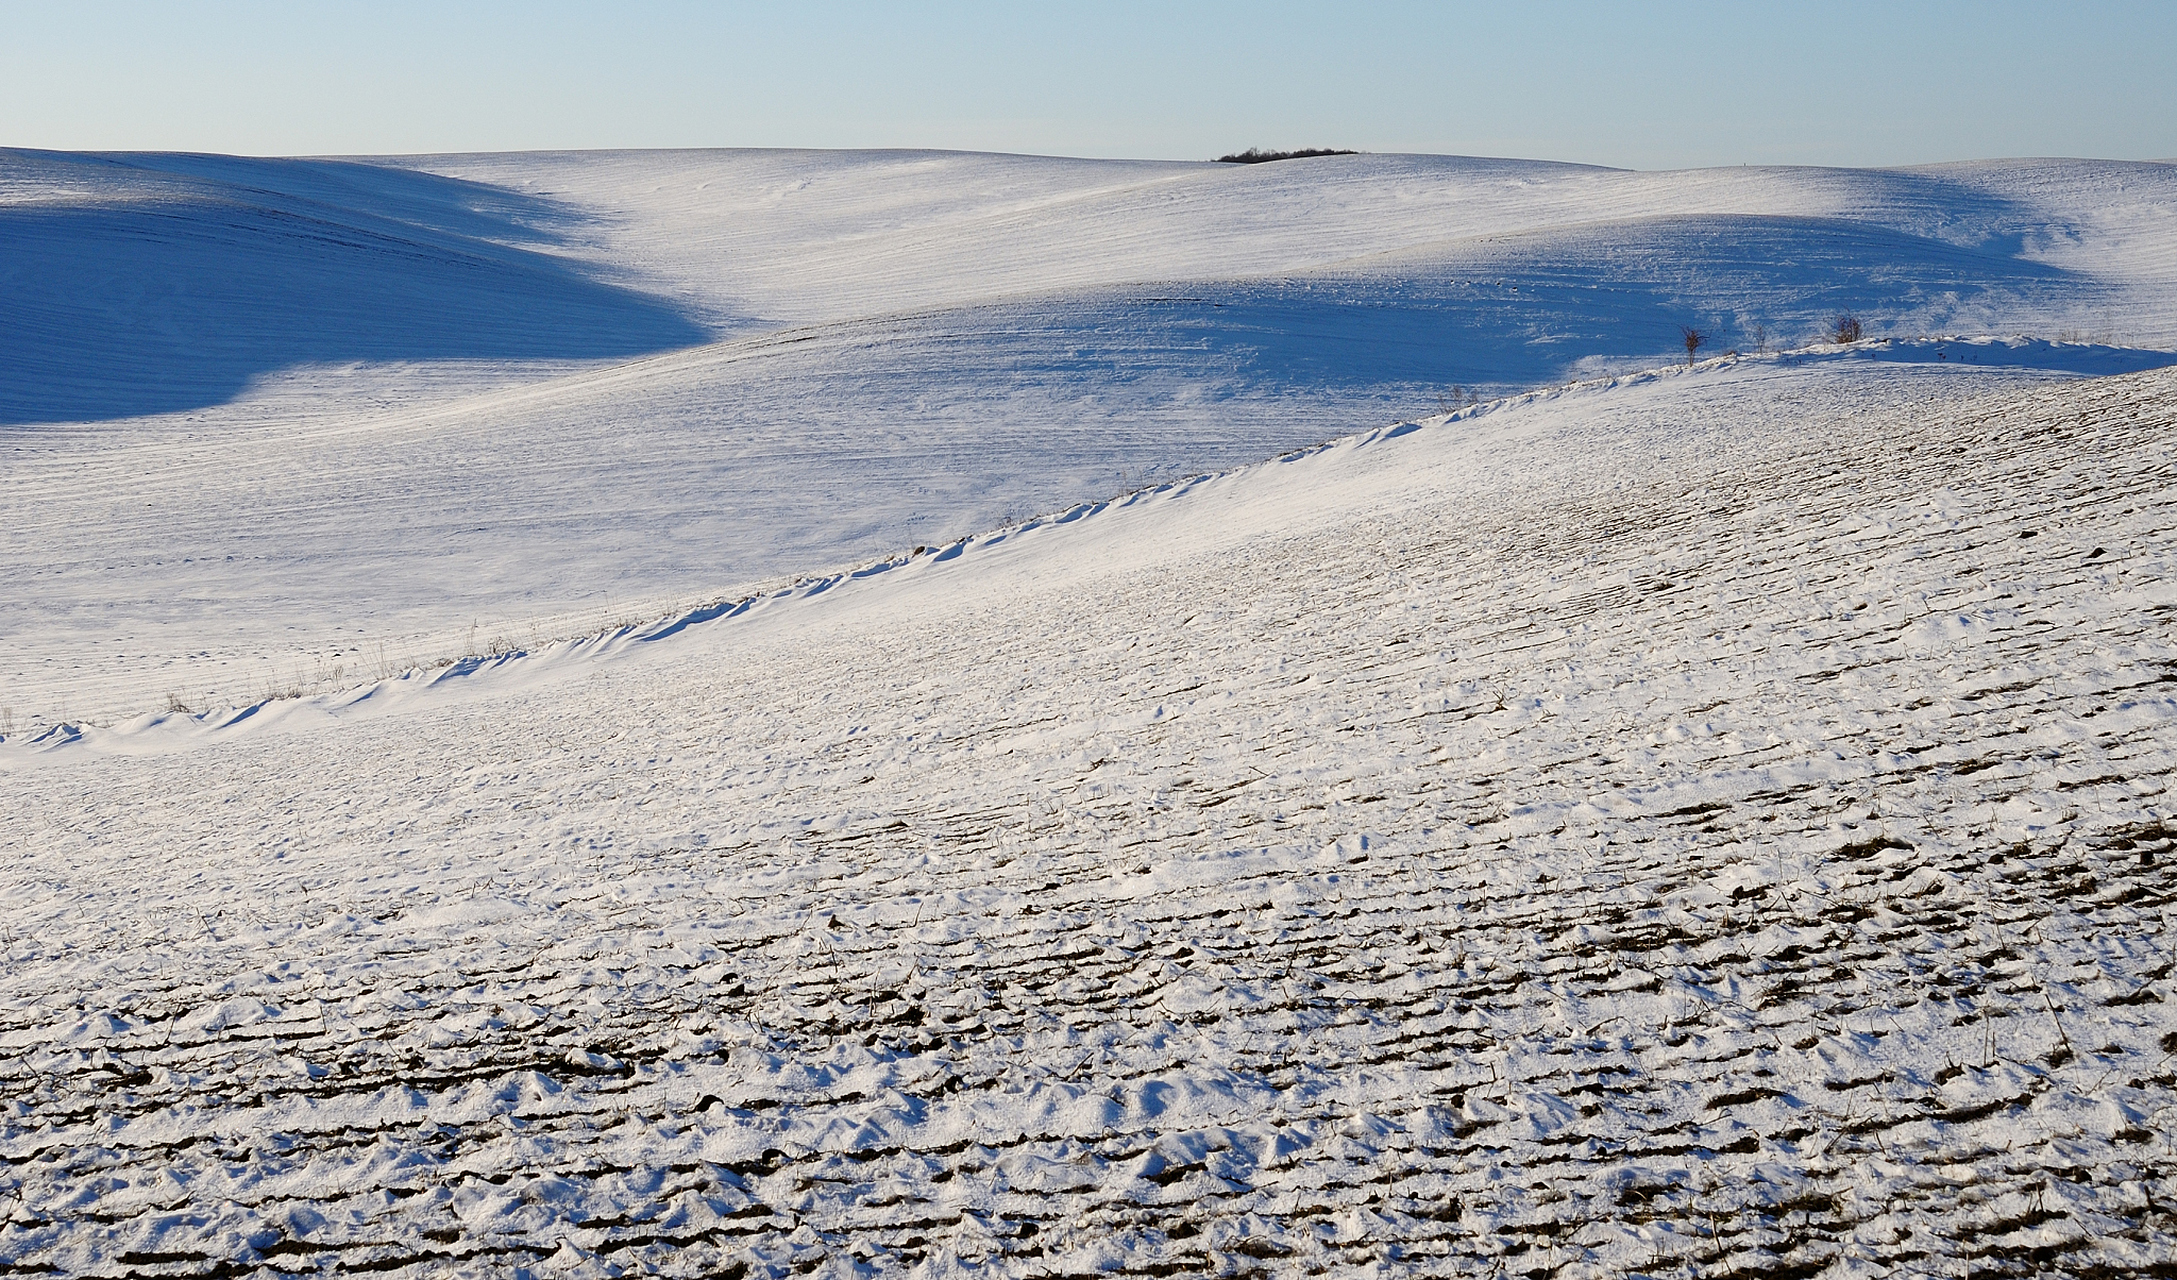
(1641, 86)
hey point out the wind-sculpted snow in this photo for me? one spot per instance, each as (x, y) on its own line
(1715, 825)
(267, 423)
(156, 563)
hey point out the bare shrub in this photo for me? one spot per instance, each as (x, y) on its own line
(1255, 155)
(1845, 330)
(1458, 398)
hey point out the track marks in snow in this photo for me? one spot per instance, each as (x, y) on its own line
(1751, 853)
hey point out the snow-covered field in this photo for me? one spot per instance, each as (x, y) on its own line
(1700, 822)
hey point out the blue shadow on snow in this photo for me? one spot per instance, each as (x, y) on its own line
(157, 284)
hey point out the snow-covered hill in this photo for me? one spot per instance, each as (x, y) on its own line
(1713, 824)
(267, 420)
(1708, 820)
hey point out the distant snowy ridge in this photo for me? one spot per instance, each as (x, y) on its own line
(251, 266)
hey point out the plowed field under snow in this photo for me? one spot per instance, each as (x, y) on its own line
(1703, 824)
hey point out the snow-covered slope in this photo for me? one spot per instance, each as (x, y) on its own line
(1705, 821)
(1715, 824)
(266, 420)
(812, 236)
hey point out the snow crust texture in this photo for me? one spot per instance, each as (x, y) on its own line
(1711, 825)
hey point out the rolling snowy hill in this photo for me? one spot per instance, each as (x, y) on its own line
(1708, 820)
(265, 420)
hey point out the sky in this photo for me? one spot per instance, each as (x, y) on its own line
(1631, 85)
